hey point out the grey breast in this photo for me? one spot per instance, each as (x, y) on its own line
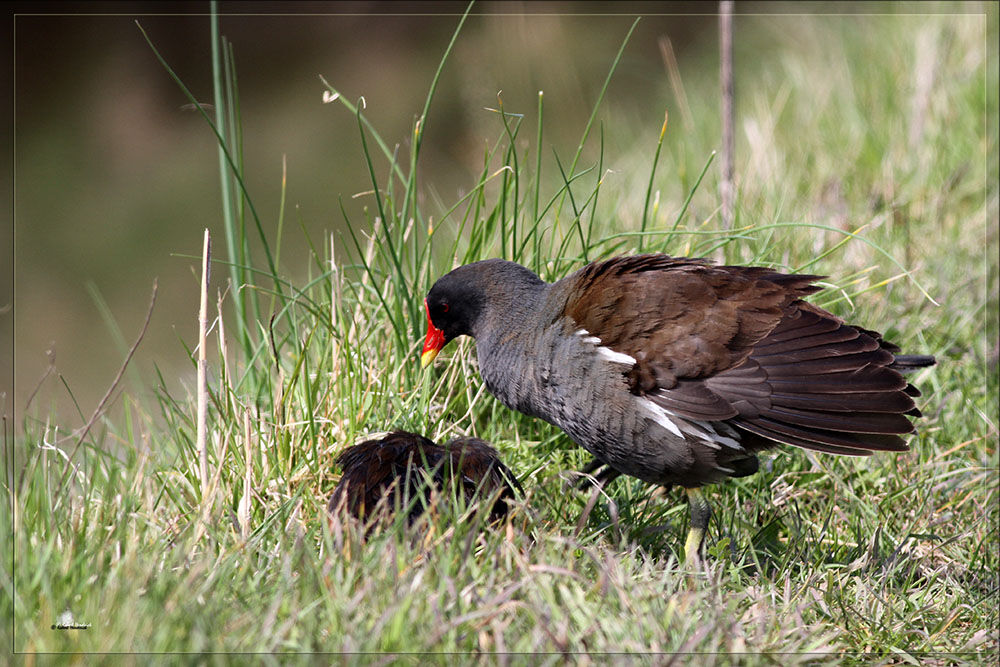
(558, 375)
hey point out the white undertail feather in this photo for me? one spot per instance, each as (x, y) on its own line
(727, 437)
(706, 432)
(709, 432)
(617, 357)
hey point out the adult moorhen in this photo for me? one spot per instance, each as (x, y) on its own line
(413, 467)
(675, 370)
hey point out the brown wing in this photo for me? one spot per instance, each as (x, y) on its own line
(376, 467)
(738, 344)
(681, 319)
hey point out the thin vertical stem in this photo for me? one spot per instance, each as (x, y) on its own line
(244, 507)
(726, 57)
(652, 177)
(203, 365)
(538, 185)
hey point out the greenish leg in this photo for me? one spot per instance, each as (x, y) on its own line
(701, 512)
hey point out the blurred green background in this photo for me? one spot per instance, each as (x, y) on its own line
(115, 178)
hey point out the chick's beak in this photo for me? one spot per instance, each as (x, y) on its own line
(434, 341)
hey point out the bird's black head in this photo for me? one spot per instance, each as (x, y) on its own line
(452, 306)
(475, 299)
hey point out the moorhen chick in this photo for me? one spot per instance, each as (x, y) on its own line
(675, 370)
(412, 467)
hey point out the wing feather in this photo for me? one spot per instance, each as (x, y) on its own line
(740, 345)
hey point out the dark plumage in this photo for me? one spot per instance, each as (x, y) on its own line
(676, 371)
(404, 467)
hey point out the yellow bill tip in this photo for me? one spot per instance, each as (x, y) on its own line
(427, 358)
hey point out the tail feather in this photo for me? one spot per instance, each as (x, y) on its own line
(830, 387)
(908, 363)
(815, 348)
(798, 324)
(835, 442)
(837, 336)
(864, 379)
(855, 422)
(871, 401)
(829, 364)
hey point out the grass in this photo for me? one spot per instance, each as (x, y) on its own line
(889, 190)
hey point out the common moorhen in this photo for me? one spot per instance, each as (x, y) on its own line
(413, 467)
(675, 370)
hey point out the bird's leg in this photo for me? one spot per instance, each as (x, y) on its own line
(701, 512)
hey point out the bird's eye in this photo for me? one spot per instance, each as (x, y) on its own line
(444, 307)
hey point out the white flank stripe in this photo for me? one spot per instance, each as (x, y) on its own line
(728, 471)
(606, 352)
(618, 357)
(659, 415)
(587, 338)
